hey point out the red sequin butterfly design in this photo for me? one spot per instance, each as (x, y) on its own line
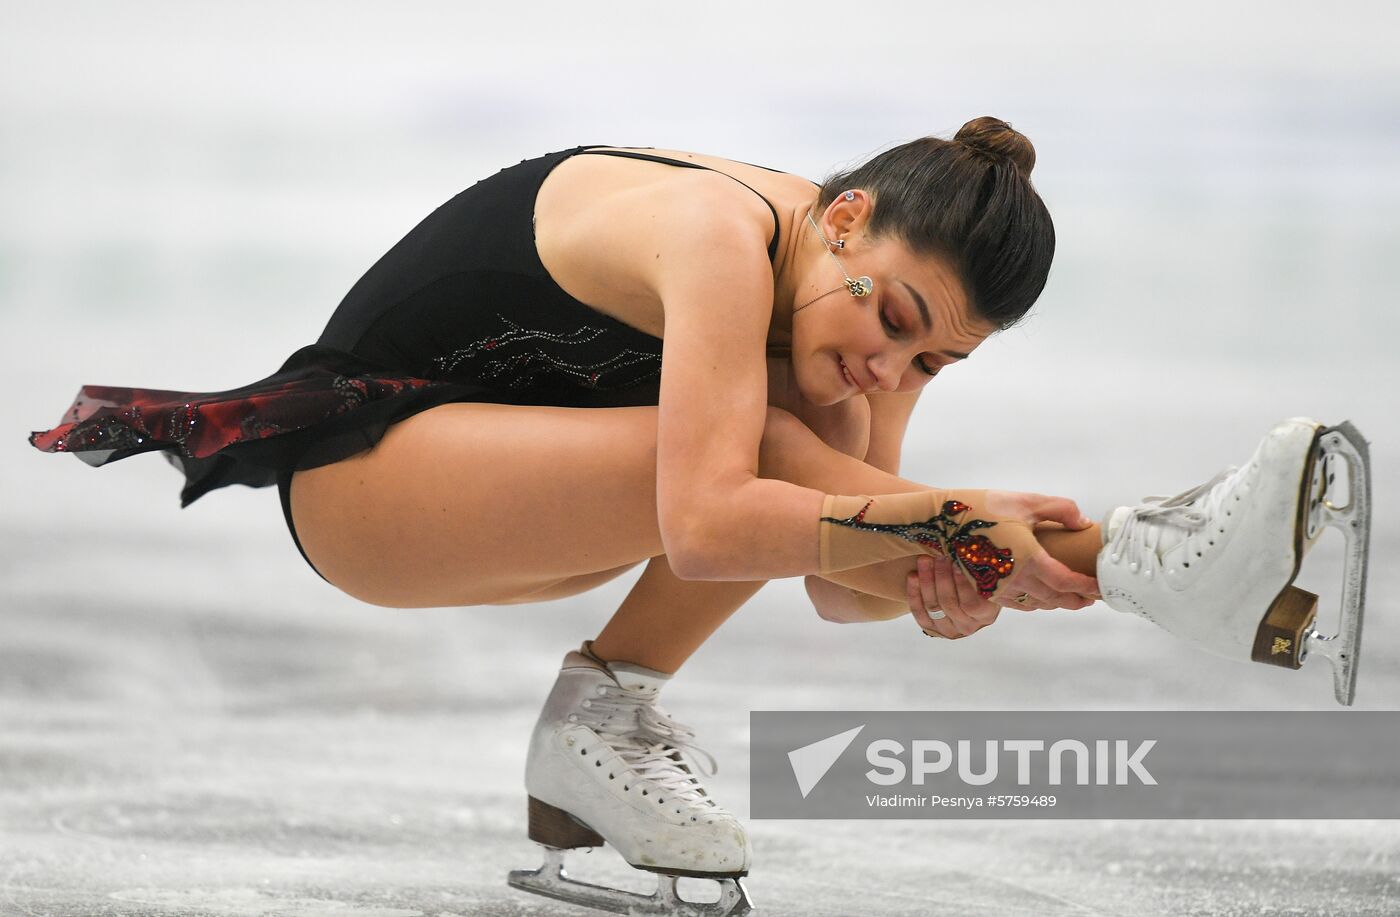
(986, 563)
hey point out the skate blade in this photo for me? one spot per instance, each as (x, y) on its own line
(552, 881)
(1342, 452)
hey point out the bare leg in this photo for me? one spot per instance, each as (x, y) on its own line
(474, 504)
(665, 619)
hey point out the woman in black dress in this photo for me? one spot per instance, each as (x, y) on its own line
(694, 362)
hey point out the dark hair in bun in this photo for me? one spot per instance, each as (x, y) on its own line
(995, 138)
(968, 200)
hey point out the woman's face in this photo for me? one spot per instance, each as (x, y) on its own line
(888, 341)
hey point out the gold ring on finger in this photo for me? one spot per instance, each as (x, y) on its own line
(1023, 598)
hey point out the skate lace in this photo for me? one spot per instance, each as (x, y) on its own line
(1141, 535)
(650, 742)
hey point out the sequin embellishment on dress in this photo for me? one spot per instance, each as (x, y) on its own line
(507, 360)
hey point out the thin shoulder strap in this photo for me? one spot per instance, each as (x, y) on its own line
(772, 246)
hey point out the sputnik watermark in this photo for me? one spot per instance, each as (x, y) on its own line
(934, 756)
(1112, 764)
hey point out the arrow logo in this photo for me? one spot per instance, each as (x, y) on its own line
(811, 762)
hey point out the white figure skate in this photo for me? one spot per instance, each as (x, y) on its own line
(1215, 565)
(605, 765)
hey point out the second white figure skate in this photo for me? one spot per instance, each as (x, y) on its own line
(1215, 565)
(605, 765)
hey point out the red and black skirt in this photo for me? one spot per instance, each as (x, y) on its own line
(321, 406)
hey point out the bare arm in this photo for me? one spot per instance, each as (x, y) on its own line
(718, 519)
(836, 597)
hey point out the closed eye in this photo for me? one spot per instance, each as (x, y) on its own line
(894, 330)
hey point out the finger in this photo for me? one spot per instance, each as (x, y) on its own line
(1060, 578)
(1061, 510)
(946, 581)
(1030, 604)
(980, 610)
(923, 604)
(1028, 583)
(917, 606)
(928, 588)
(985, 615)
(1051, 598)
(1071, 601)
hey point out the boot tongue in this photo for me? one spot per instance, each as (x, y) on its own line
(635, 678)
(1113, 522)
(638, 679)
(1169, 537)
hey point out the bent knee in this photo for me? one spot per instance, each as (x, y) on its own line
(844, 426)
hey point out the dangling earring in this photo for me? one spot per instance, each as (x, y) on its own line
(858, 286)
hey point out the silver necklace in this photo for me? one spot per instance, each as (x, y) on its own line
(856, 286)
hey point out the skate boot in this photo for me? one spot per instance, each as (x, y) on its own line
(1215, 565)
(605, 766)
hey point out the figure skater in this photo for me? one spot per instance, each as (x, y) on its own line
(607, 356)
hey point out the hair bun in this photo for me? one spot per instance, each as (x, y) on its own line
(996, 138)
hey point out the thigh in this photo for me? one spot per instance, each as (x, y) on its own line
(568, 586)
(844, 426)
(475, 503)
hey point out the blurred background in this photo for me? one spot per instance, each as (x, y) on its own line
(192, 722)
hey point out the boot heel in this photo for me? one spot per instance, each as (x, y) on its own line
(1279, 640)
(556, 828)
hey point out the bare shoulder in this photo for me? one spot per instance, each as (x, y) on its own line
(713, 276)
(601, 223)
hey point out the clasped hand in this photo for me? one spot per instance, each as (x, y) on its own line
(1039, 580)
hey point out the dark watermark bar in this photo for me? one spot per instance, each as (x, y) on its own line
(1118, 764)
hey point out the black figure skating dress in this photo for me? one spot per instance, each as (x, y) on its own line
(461, 309)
